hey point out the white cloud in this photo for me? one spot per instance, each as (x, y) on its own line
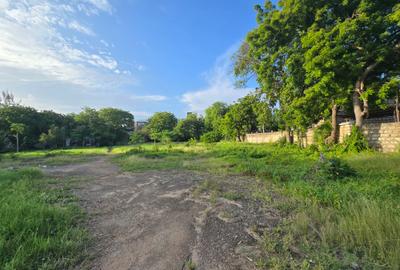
(3, 5)
(220, 86)
(105, 43)
(103, 5)
(32, 43)
(142, 115)
(80, 28)
(149, 98)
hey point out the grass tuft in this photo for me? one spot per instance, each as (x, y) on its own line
(39, 226)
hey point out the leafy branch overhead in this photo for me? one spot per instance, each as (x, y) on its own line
(311, 56)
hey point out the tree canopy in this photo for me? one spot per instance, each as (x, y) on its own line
(161, 122)
(47, 129)
(192, 127)
(309, 57)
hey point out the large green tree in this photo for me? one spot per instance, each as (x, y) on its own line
(22, 115)
(192, 127)
(214, 116)
(354, 54)
(311, 57)
(55, 137)
(240, 119)
(160, 122)
(274, 54)
(118, 123)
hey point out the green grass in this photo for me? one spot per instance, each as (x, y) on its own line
(40, 224)
(341, 217)
(329, 222)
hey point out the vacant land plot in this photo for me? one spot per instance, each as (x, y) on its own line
(219, 206)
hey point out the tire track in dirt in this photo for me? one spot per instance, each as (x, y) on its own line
(150, 220)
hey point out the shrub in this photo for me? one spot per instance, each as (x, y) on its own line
(166, 137)
(134, 151)
(322, 132)
(211, 137)
(312, 148)
(355, 142)
(137, 138)
(331, 169)
(191, 142)
(282, 142)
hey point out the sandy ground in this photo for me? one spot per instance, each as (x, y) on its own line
(151, 220)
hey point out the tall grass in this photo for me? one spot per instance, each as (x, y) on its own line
(39, 226)
(352, 221)
(329, 222)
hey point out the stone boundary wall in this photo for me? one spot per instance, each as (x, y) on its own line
(269, 137)
(383, 137)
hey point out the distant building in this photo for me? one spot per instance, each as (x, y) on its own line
(139, 125)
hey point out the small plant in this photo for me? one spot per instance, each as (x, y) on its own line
(331, 169)
(313, 148)
(156, 148)
(233, 196)
(355, 142)
(134, 151)
(191, 142)
(190, 265)
(282, 142)
(321, 133)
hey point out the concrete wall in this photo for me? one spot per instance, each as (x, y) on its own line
(269, 137)
(383, 137)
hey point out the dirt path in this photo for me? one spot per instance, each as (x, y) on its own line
(150, 220)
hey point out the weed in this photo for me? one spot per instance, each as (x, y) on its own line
(327, 169)
(190, 265)
(341, 211)
(233, 196)
(39, 227)
(355, 142)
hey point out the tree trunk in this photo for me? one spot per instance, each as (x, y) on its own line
(17, 142)
(360, 105)
(397, 109)
(333, 137)
(290, 136)
(238, 136)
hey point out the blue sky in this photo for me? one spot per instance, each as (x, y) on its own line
(139, 55)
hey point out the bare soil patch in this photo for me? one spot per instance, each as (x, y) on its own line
(152, 220)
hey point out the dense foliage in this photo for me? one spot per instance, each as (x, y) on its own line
(313, 58)
(26, 128)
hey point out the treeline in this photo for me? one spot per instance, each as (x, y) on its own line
(220, 122)
(26, 128)
(313, 58)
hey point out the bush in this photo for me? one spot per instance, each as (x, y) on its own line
(355, 142)
(166, 137)
(191, 142)
(322, 132)
(211, 137)
(137, 138)
(331, 169)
